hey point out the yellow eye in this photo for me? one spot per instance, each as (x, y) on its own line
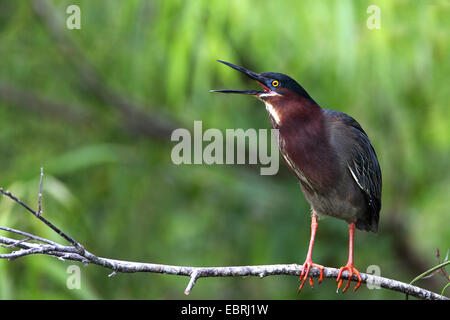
(275, 83)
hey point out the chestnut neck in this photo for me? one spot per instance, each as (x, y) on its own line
(304, 138)
(297, 112)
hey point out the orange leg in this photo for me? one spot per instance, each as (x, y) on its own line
(349, 266)
(308, 262)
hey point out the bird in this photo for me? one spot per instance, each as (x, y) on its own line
(331, 156)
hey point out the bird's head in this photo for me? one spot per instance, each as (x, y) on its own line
(276, 86)
(279, 90)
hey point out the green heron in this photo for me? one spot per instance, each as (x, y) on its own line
(331, 156)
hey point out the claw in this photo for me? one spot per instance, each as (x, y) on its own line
(305, 273)
(351, 270)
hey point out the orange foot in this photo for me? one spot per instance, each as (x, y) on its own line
(305, 272)
(351, 270)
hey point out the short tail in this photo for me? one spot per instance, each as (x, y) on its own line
(365, 225)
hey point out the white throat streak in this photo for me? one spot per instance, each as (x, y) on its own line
(272, 112)
(269, 106)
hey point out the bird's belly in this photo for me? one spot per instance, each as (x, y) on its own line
(329, 193)
(337, 202)
(333, 203)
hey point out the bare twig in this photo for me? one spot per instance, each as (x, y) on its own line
(48, 223)
(29, 235)
(194, 277)
(15, 244)
(77, 253)
(39, 212)
(442, 270)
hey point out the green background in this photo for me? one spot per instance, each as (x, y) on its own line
(109, 179)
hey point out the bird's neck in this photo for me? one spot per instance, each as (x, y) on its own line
(288, 113)
(302, 126)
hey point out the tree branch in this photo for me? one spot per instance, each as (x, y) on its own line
(76, 252)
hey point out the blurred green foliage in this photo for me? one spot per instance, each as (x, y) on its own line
(119, 193)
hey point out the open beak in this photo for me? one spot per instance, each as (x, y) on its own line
(255, 76)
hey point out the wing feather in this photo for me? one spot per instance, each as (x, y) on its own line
(363, 166)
